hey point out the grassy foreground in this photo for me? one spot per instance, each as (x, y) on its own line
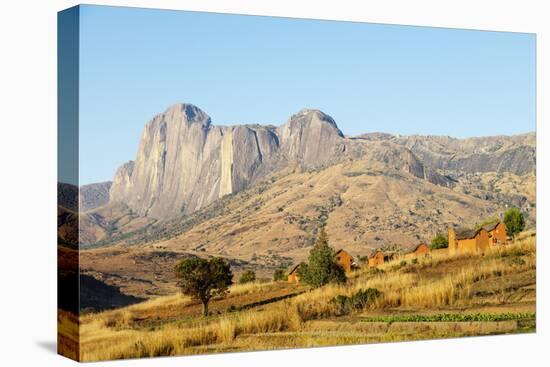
(438, 296)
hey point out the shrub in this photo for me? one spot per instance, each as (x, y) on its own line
(344, 305)
(363, 298)
(439, 241)
(514, 220)
(247, 277)
(279, 274)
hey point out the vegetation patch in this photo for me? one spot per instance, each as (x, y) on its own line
(453, 317)
(358, 301)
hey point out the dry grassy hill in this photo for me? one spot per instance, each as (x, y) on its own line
(437, 296)
(362, 203)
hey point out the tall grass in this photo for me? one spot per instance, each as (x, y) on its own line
(114, 334)
(401, 288)
(100, 342)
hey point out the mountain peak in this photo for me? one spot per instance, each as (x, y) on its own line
(189, 113)
(309, 117)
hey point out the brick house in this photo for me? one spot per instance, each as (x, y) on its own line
(346, 261)
(469, 240)
(497, 233)
(417, 251)
(378, 257)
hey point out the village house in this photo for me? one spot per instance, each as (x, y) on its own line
(421, 249)
(378, 257)
(468, 241)
(346, 261)
(497, 233)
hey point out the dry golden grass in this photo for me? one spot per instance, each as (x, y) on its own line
(414, 290)
(100, 341)
(67, 334)
(437, 282)
(252, 287)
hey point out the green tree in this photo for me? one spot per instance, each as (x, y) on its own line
(439, 241)
(203, 279)
(514, 221)
(279, 274)
(247, 277)
(322, 267)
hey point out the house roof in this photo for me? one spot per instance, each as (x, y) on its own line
(342, 250)
(373, 252)
(490, 227)
(293, 269)
(466, 234)
(414, 248)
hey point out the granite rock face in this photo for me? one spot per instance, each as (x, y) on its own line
(311, 138)
(184, 162)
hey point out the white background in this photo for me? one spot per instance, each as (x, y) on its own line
(28, 182)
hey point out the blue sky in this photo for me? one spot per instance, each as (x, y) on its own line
(134, 63)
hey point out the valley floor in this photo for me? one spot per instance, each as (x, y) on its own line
(438, 296)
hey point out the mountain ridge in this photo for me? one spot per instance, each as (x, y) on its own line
(185, 163)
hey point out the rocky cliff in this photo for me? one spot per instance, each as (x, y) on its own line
(184, 162)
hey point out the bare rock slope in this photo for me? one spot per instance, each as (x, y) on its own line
(184, 162)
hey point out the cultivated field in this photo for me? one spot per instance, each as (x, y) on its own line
(436, 296)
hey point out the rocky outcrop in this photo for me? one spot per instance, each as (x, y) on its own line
(94, 195)
(311, 138)
(121, 185)
(514, 154)
(184, 162)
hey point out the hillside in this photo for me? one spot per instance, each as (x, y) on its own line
(439, 296)
(274, 223)
(94, 195)
(184, 162)
(257, 194)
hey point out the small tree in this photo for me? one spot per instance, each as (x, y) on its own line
(439, 241)
(203, 279)
(322, 267)
(247, 277)
(514, 221)
(279, 274)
